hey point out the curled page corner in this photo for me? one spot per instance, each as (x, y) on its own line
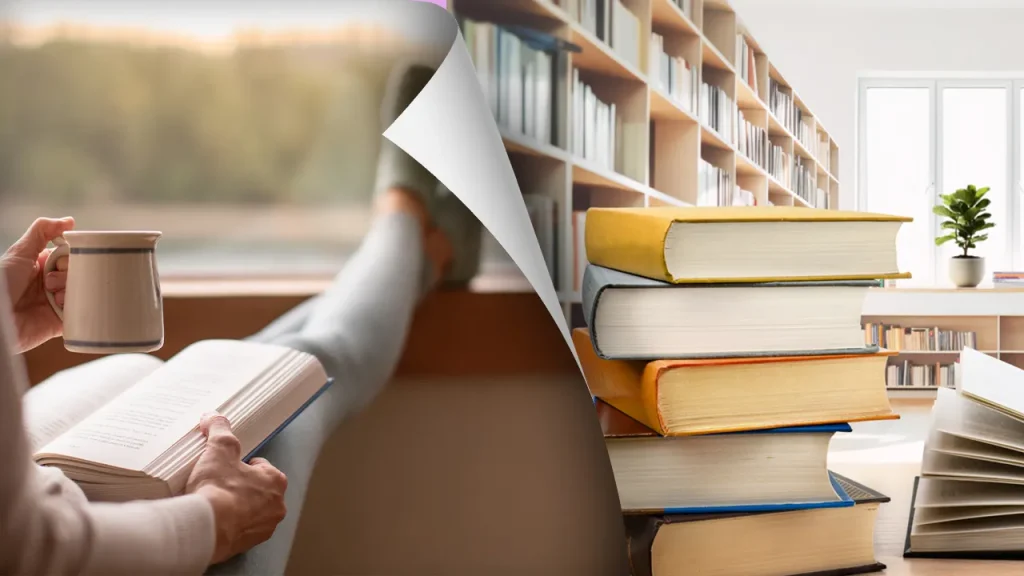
(449, 129)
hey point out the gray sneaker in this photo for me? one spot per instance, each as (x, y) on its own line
(396, 169)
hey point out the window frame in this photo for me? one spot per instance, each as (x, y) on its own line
(1012, 82)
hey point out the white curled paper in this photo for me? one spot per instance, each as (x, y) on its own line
(450, 130)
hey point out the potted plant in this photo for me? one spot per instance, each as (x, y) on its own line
(965, 221)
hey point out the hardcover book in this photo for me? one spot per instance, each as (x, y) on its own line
(808, 542)
(744, 244)
(687, 397)
(127, 427)
(632, 317)
(778, 469)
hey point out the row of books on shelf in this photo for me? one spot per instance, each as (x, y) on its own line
(751, 141)
(701, 367)
(717, 111)
(802, 180)
(782, 104)
(918, 339)
(745, 62)
(612, 22)
(910, 375)
(715, 187)
(779, 163)
(672, 74)
(517, 80)
(594, 127)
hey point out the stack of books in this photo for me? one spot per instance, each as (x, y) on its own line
(724, 348)
(1008, 280)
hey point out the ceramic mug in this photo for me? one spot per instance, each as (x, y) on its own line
(112, 303)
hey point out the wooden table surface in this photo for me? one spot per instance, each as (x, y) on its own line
(891, 471)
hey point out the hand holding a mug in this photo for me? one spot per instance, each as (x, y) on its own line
(22, 265)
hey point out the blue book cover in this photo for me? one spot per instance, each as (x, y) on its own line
(843, 501)
(255, 451)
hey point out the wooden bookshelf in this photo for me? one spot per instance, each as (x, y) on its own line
(996, 335)
(658, 164)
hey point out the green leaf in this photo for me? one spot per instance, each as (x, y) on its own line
(977, 239)
(944, 211)
(943, 239)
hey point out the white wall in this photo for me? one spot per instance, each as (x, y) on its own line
(820, 47)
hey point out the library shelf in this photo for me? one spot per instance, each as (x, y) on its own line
(662, 138)
(1001, 336)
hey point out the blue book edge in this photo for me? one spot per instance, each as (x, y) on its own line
(285, 424)
(800, 429)
(844, 501)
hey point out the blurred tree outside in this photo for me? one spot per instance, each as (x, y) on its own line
(85, 122)
(260, 159)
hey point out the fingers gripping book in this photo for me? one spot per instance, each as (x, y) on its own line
(126, 427)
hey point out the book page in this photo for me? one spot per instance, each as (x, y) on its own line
(992, 382)
(135, 428)
(56, 404)
(941, 492)
(960, 415)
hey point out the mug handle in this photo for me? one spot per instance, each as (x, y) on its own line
(62, 249)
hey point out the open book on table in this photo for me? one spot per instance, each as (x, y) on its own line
(126, 427)
(969, 500)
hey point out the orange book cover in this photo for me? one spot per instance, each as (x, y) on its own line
(632, 386)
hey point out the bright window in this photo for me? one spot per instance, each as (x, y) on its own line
(252, 157)
(919, 138)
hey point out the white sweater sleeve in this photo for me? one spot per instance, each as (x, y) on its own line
(44, 530)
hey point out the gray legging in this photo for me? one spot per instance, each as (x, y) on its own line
(357, 329)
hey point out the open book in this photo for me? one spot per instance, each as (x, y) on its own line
(969, 500)
(126, 427)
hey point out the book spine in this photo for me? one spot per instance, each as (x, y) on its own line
(631, 242)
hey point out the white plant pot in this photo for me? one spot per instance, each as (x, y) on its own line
(966, 272)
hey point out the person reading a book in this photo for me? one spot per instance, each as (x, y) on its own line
(246, 512)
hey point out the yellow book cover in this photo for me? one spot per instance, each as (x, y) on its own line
(633, 239)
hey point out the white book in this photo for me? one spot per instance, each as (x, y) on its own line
(577, 112)
(127, 427)
(541, 209)
(530, 96)
(501, 60)
(612, 121)
(580, 252)
(515, 86)
(542, 98)
(491, 35)
(590, 113)
(485, 66)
